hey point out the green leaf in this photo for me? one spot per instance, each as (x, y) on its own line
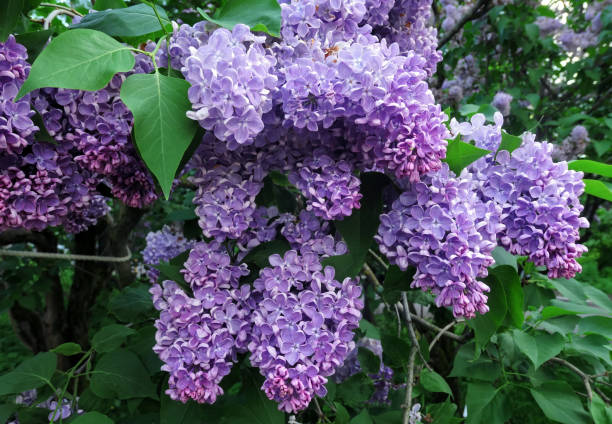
(131, 21)
(596, 325)
(460, 154)
(601, 413)
(597, 188)
(539, 348)
(32, 373)
(434, 382)
(141, 344)
(259, 15)
(34, 42)
(509, 142)
(362, 418)
(592, 167)
(92, 418)
(468, 109)
(503, 257)
(442, 413)
(163, 131)
(68, 349)
(173, 412)
(132, 304)
(486, 325)
(355, 391)
(121, 375)
(109, 4)
(6, 411)
(82, 59)
(532, 31)
(342, 415)
(358, 230)
(396, 281)
(110, 337)
(369, 329)
(479, 396)
(465, 365)
(515, 296)
(251, 406)
(396, 350)
(592, 345)
(368, 360)
(559, 402)
(11, 11)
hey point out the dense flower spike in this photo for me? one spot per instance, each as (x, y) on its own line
(441, 227)
(573, 145)
(501, 102)
(539, 198)
(231, 84)
(331, 189)
(198, 337)
(99, 126)
(303, 329)
(162, 246)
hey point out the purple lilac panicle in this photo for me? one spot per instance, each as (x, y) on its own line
(539, 199)
(442, 228)
(199, 337)
(162, 246)
(303, 329)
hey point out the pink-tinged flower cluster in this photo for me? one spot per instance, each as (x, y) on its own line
(99, 127)
(441, 227)
(539, 199)
(40, 184)
(199, 336)
(303, 327)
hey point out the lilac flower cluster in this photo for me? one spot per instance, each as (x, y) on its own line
(57, 410)
(441, 227)
(539, 199)
(303, 329)
(198, 337)
(330, 188)
(16, 126)
(501, 101)
(40, 184)
(464, 83)
(98, 125)
(231, 84)
(162, 246)
(383, 379)
(570, 40)
(573, 145)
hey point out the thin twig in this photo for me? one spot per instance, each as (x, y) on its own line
(471, 14)
(378, 258)
(409, 385)
(585, 378)
(320, 411)
(413, 336)
(434, 327)
(399, 321)
(371, 276)
(55, 14)
(61, 6)
(440, 333)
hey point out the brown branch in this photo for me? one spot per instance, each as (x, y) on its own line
(413, 336)
(434, 327)
(473, 13)
(578, 372)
